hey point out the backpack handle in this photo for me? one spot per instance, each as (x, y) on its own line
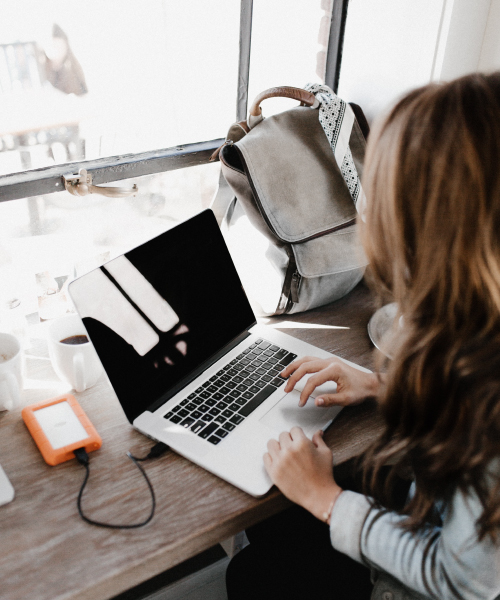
(303, 96)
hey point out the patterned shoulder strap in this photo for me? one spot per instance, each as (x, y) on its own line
(337, 119)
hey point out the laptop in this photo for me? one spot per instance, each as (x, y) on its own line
(181, 347)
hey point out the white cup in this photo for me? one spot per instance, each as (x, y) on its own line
(76, 364)
(11, 378)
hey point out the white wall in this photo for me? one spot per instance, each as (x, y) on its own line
(490, 52)
(458, 48)
(388, 49)
(392, 46)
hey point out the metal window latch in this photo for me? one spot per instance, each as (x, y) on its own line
(81, 185)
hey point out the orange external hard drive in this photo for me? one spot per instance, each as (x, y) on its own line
(59, 427)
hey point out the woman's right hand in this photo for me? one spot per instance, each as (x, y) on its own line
(353, 385)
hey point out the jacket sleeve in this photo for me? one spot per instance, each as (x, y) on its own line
(442, 563)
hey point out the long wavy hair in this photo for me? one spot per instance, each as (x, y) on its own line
(432, 236)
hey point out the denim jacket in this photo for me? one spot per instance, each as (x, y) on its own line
(440, 563)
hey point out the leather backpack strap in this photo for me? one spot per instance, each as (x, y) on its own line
(361, 119)
(303, 96)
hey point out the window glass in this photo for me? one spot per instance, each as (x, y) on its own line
(102, 78)
(289, 42)
(46, 241)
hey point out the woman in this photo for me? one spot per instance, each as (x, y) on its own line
(432, 236)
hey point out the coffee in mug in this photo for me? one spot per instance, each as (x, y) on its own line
(72, 354)
(74, 340)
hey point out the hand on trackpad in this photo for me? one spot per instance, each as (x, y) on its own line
(329, 387)
(287, 413)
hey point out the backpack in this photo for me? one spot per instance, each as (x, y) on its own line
(287, 200)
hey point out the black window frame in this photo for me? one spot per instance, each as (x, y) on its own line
(38, 182)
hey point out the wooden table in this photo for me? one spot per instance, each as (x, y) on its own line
(48, 553)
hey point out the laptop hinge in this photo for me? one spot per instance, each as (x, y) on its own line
(198, 371)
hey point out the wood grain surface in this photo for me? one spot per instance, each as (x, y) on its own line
(48, 553)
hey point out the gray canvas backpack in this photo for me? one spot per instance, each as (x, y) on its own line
(287, 201)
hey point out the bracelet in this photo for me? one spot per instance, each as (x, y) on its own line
(328, 514)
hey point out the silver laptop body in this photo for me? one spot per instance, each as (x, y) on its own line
(191, 368)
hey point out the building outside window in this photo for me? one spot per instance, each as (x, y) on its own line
(137, 94)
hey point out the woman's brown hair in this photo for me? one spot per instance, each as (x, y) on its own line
(432, 236)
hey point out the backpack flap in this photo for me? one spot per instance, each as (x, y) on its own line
(296, 181)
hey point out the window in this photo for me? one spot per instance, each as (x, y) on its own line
(137, 94)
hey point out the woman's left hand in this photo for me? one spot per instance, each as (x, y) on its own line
(303, 470)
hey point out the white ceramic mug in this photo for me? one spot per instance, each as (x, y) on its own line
(11, 378)
(76, 364)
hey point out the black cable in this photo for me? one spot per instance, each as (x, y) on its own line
(157, 450)
(83, 458)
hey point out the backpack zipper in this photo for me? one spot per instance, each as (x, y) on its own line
(295, 286)
(293, 292)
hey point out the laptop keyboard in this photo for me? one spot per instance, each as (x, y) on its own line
(223, 402)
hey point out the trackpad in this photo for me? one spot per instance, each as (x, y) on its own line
(286, 414)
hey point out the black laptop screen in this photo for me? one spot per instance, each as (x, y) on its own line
(158, 312)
